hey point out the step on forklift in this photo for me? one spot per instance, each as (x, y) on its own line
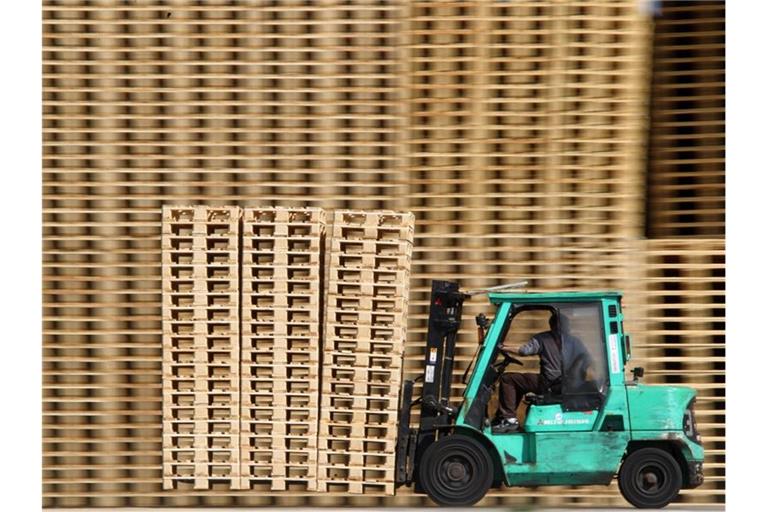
(598, 426)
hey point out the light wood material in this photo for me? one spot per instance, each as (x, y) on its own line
(366, 307)
(201, 346)
(686, 193)
(280, 371)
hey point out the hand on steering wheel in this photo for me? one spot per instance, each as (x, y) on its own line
(507, 359)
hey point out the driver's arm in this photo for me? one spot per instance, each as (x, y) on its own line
(532, 348)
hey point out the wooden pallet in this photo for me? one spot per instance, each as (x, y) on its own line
(280, 367)
(201, 346)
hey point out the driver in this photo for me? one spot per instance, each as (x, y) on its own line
(547, 345)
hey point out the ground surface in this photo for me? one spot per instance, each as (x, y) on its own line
(392, 509)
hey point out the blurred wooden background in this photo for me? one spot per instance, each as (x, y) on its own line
(577, 144)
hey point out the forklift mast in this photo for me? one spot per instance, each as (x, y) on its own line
(444, 320)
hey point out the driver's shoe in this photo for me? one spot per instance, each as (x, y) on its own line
(505, 425)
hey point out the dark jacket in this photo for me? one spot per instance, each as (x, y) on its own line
(547, 347)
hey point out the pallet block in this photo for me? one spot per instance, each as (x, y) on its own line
(201, 346)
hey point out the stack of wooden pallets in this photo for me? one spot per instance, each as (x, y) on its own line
(201, 356)
(281, 266)
(686, 185)
(365, 327)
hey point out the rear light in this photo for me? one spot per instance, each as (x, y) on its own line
(689, 423)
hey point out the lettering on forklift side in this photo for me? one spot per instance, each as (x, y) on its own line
(433, 355)
(613, 341)
(429, 375)
(559, 420)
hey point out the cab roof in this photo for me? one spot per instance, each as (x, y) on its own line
(546, 297)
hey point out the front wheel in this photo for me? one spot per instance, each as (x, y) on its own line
(650, 478)
(456, 470)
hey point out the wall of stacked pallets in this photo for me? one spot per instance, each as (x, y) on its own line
(513, 130)
(201, 347)
(366, 306)
(281, 290)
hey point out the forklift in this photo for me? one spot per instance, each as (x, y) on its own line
(597, 426)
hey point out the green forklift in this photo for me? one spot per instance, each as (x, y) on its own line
(598, 425)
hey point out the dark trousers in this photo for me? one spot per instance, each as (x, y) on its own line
(512, 389)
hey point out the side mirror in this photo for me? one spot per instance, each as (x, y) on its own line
(482, 324)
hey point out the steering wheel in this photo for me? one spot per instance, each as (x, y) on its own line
(506, 361)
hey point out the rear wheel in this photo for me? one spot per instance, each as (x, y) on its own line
(650, 478)
(456, 470)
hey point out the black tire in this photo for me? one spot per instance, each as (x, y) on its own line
(456, 470)
(650, 478)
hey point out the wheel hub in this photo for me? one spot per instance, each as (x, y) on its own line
(651, 479)
(456, 471)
